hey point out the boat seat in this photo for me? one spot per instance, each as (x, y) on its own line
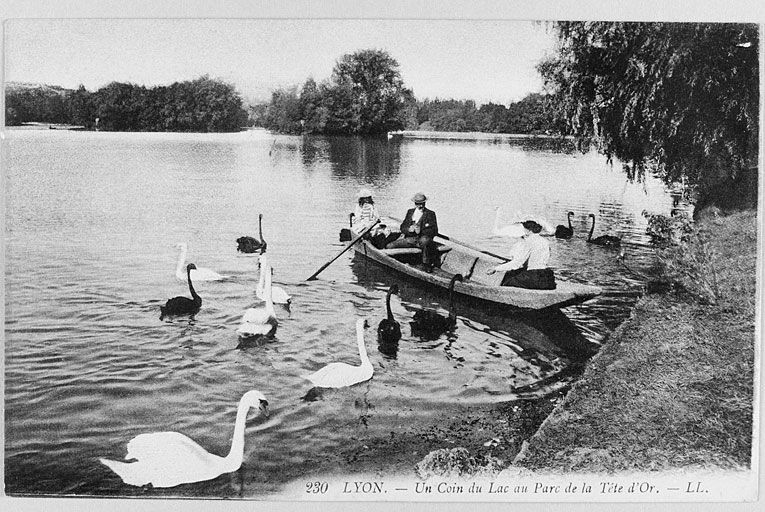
(459, 263)
(412, 250)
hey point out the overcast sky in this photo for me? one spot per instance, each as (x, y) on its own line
(481, 60)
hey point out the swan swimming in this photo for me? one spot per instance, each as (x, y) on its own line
(514, 230)
(278, 295)
(167, 459)
(260, 320)
(389, 330)
(182, 305)
(604, 240)
(430, 325)
(562, 231)
(340, 375)
(199, 274)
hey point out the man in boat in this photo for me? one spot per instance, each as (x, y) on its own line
(419, 228)
(527, 267)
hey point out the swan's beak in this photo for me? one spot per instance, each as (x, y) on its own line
(264, 408)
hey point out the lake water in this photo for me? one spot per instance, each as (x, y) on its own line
(91, 223)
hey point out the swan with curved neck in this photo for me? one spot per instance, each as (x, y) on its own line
(428, 323)
(182, 305)
(514, 230)
(562, 231)
(340, 375)
(248, 244)
(389, 330)
(260, 320)
(167, 459)
(199, 274)
(604, 240)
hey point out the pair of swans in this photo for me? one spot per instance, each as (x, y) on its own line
(167, 459)
(260, 320)
(182, 305)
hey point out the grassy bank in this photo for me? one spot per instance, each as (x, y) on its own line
(673, 386)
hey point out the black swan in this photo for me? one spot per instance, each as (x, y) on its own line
(562, 231)
(182, 305)
(346, 235)
(605, 240)
(389, 330)
(429, 324)
(248, 244)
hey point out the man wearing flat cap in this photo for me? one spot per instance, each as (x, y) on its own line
(419, 228)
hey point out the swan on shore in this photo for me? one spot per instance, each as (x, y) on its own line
(199, 274)
(340, 375)
(182, 305)
(167, 459)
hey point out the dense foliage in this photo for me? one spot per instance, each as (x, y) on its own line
(530, 115)
(680, 99)
(201, 105)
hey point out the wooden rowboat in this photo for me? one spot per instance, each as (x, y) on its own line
(472, 263)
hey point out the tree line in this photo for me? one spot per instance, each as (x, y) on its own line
(365, 95)
(201, 105)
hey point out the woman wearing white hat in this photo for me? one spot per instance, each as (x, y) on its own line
(365, 213)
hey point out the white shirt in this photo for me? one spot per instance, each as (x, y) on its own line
(532, 249)
(416, 215)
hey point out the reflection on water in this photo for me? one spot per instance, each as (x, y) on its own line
(92, 220)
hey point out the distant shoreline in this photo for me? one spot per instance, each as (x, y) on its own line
(422, 134)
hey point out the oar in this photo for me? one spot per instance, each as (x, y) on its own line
(359, 237)
(439, 235)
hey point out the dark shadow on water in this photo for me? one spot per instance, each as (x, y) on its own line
(370, 158)
(529, 331)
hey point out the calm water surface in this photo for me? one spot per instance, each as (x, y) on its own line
(91, 224)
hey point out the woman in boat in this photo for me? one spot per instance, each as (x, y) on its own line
(527, 267)
(365, 213)
(419, 228)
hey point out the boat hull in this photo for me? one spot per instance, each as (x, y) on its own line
(476, 284)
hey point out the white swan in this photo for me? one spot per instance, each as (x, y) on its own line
(514, 230)
(197, 274)
(278, 295)
(340, 375)
(260, 320)
(167, 459)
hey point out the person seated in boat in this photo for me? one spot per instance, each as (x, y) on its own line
(527, 267)
(418, 229)
(364, 215)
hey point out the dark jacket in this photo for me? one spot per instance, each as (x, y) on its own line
(428, 223)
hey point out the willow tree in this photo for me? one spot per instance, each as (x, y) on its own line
(677, 99)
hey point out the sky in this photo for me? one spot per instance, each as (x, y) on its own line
(462, 59)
